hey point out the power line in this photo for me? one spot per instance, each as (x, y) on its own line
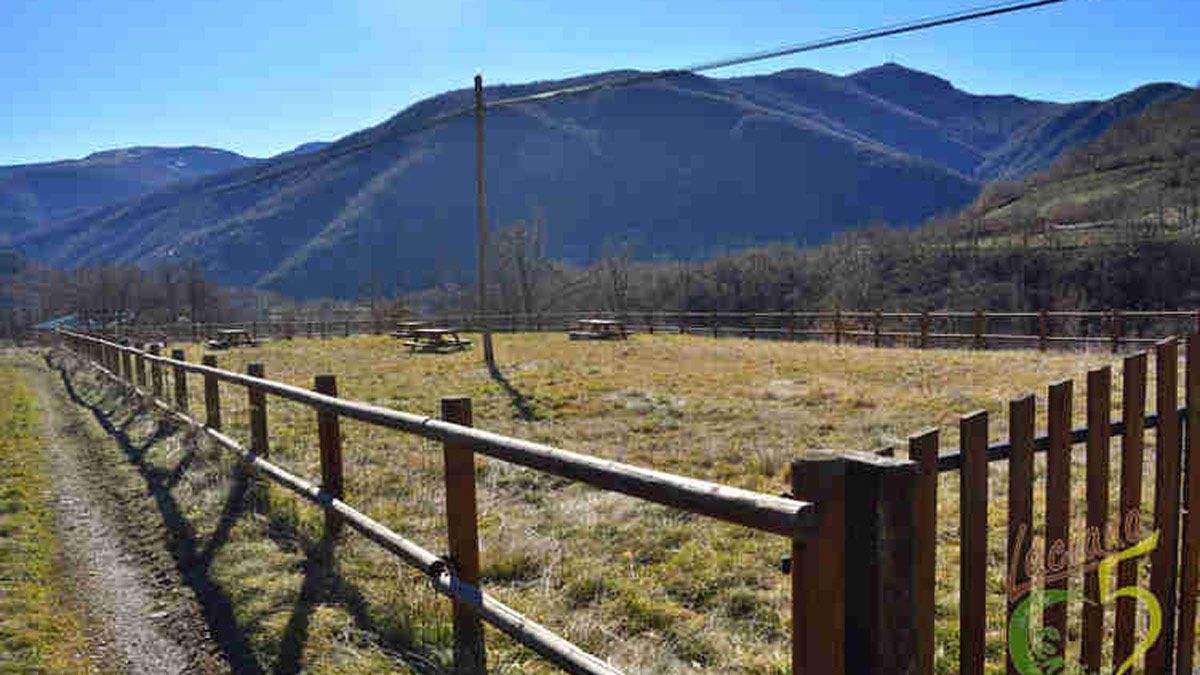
(837, 41)
(640, 78)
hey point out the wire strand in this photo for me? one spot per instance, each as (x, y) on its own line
(644, 77)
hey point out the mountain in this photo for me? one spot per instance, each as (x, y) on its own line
(304, 149)
(1143, 171)
(679, 167)
(35, 195)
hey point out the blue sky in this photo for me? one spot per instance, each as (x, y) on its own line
(262, 77)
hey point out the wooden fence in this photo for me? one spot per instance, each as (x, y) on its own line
(1068, 562)
(863, 526)
(1117, 330)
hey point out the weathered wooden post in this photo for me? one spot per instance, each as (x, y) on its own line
(181, 390)
(980, 329)
(140, 365)
(818, 568)
(880, 569)
(923, 450)
(1043, 330)
(257, 400)
(212, 395)
(712, 323)
(330, 436)
(1117, 330)
(791, 327)
(463, 534)
(837, 327)
(924, 344)
(127, 364)
(156, 372)
(877, 328)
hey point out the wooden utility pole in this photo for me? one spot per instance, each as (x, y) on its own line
(481, 207)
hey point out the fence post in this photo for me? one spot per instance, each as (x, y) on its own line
(127, 363)
(923, 449)
(1164, 560)
(877, 320)
(837, 327)
(258, 412)
(973, 541)
(791, 327)
(330, 436)
(1043, 330)
(1117, 331)
(818, 568)
(156, 373)
(140, 366)
(880, 569)
(181, 391)
(1190, 574)
(212, 395)
(463, 534)
(980, 329)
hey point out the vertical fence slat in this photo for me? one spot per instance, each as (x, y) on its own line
(180, 377)
(973, 535)
(1058, 501)
(1043, 330)
(1190, 574)
(1165, 558)
(139, 365)
(818, 568)
(1133, 413)
(329, 436)
(1099, 396)
(156, 372)
(463, 533)
(212, 395)
(923, 449)
(1021, 414)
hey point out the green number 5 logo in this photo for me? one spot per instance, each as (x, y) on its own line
(1041, 656)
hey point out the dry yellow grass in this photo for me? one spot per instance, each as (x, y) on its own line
(655, 590)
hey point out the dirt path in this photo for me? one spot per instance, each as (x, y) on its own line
(141, 618)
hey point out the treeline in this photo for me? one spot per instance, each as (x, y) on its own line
(102, 295)
(938, 267)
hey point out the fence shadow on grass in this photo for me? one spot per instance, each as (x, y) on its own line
(190, 561)
(520, 401)
(322, 582)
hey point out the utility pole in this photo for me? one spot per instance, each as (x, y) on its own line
(481, 205)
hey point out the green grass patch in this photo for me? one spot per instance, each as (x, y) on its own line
(38, 633)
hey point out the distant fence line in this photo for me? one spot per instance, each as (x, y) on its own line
(1116, 329)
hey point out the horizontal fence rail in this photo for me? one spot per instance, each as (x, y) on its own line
(794, 519)
(1118, 330)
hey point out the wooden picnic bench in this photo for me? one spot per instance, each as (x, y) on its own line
(407, 329)
(438, 340)
(231, 337)
(599, 329)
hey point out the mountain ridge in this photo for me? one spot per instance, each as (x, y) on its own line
(685, 166)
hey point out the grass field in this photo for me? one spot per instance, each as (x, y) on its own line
(655, 590)
(38, 632)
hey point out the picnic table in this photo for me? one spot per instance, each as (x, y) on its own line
(599, 329)
(436, 340)
(406, 329)
(231, 337)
